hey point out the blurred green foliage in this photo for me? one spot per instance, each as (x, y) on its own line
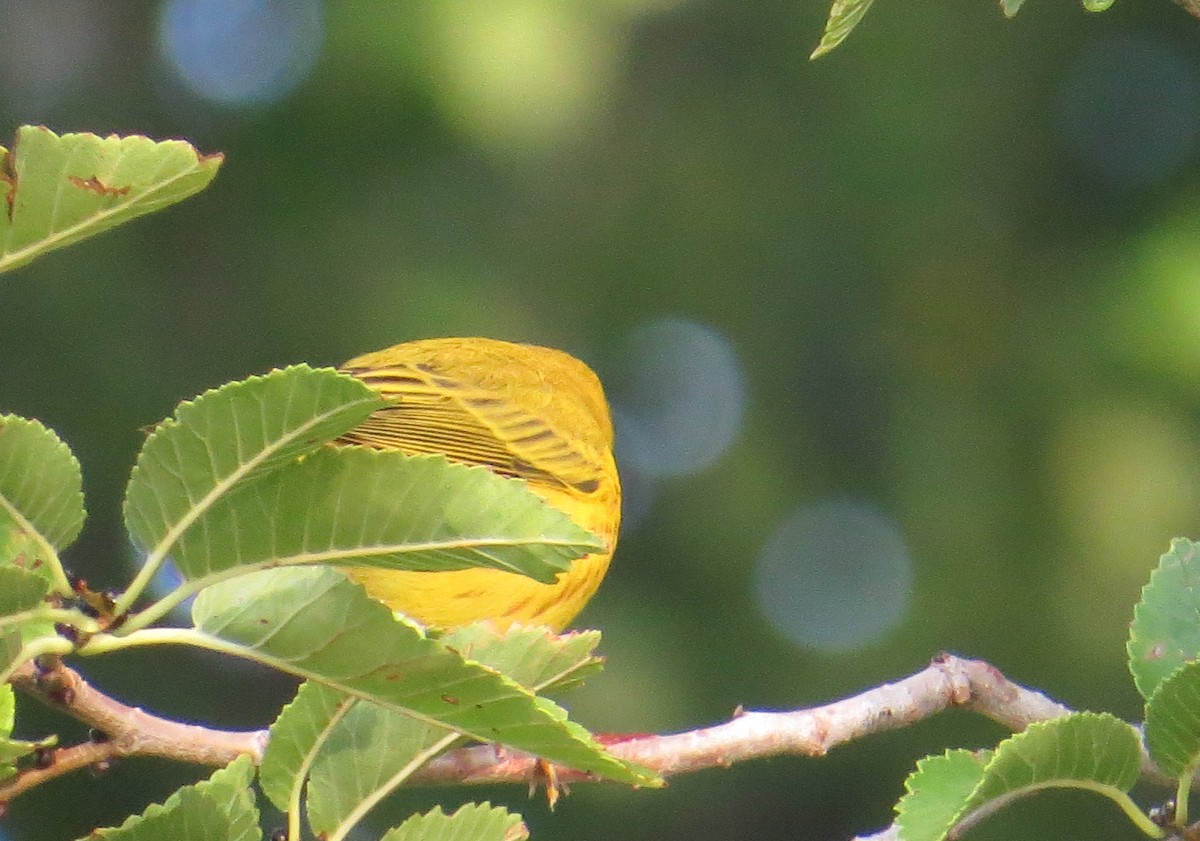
(945, 299)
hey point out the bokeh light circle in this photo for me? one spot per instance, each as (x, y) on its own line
(685, 399)
(835, 575)
(241, 52)
(1130, 109)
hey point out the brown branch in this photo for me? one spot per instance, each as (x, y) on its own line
(948, 681)
(56, 763)
(125, 730)
(1192, 7)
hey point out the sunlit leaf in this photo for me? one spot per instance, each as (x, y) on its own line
(1173, 721)
(936, 793)
(844, 15)
(1164, 633)
(220, 808)
(56, 190)
(372, 749)
(1011, 7)
(533, 657)
(296, 737)
(361, 507)
(472, 822)
(1097, 5)
(22, 620)
(315, 623)
(41, 497)
(20, 590)
(229, 436)
(1093, 751)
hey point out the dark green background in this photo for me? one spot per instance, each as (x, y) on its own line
(941, 306)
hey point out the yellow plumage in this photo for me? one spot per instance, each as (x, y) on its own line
(523, 411)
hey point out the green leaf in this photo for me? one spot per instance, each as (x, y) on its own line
(220, 808)
(372, 750)
(1098, 5)
(1173, 722)
(358, 752)
(296, 737)
(533, 657)
(1164, 633)
(315, 623)
(844, 15)
(20, 590)
(228, 437)
(1094, 751)
(1097, 749)
(41, 498)
(24, 625)
(472, 822)
(359, 507)
(13, 749)
(56, 190)
(937, 792)
(1011, 7)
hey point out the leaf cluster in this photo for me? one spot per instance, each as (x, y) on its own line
(949, 793)
(242, 493)
(844, 15)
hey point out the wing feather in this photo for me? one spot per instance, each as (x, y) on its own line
(433, 412)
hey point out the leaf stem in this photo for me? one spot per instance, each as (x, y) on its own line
(142, 580)
(107, 643)
(61, 615)
(35, 649)
(1135, 814)
(1181, 798)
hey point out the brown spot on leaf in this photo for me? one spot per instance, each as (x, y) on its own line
(8, 177)
(451, 700)
(97, 186)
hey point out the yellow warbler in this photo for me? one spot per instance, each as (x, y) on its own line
(523, 411)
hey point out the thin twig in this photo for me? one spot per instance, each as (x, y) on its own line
(948, 681)
(56, 763)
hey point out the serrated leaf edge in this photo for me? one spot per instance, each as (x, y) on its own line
(158, 554)
(60, 582)
(14, 259)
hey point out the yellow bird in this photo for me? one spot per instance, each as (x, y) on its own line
(526, 412)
